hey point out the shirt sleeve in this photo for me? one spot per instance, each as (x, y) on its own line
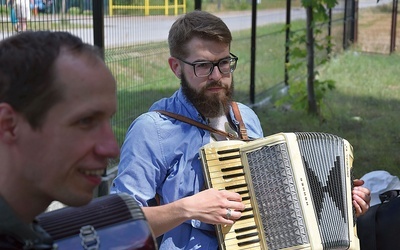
(141, 170)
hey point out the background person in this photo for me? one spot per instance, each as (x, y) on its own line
(13, 15)
(56, 100)
(23, 13)
(159, 162)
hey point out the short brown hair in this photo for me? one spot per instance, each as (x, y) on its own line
(199, 24)
(27, 71)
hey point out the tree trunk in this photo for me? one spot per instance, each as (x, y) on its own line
(312, 104)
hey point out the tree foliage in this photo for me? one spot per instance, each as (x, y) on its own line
(308, 93)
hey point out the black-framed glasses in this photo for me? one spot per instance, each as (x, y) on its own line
(389, 195)
(205, 68)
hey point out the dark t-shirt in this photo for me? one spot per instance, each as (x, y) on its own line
(15, 234)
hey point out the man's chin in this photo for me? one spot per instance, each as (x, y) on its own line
(214, 95)
(80, 199)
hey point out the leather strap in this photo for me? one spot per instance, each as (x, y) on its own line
(198, 124)
(238, 116)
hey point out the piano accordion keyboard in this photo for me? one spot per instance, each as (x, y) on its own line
(225, 171)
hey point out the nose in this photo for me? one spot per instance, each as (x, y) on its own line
(107, 145)
(215, 74)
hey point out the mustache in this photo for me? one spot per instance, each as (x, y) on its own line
(214, 84)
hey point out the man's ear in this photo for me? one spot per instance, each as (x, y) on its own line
(8, 121)
(175, 66)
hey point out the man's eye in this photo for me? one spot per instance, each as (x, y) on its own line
(224, 62)
(203, 65)
(86, 122)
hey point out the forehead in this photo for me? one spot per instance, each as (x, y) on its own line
(85, 82)
(82, 72)
(207, 49)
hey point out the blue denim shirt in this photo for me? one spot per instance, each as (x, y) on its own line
(161, 155)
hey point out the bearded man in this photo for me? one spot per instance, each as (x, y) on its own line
(160, 165)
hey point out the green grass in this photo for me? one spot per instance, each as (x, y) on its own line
(363, 109)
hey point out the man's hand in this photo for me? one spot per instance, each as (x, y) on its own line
(215, 207)
(361, 197)
(209, 206)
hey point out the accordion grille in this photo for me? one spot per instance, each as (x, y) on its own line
(276, 195)
(328, 186)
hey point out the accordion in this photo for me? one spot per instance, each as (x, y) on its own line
(113, 221)
(296, 188)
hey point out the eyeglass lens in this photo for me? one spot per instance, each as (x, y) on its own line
(225, 66)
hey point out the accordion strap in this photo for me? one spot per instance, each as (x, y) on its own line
(198, 124)
(238, 116)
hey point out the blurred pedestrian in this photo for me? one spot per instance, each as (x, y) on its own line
(23, 13)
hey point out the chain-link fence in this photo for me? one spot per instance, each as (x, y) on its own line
(135, 44)
(378, 27)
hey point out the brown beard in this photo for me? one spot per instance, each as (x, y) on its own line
(208, 106)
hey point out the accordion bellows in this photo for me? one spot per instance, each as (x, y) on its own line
(114, 221)
(296, 188)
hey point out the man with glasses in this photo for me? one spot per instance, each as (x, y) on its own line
(160, 165)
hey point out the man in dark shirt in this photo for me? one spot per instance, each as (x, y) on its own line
(56, 100)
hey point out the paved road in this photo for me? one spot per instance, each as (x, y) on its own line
(134, 30)
(145, 29)
(121, 31)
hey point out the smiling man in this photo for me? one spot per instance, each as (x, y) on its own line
(56, 100)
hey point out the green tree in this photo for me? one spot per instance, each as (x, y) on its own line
(302, 46)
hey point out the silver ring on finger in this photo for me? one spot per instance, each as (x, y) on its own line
(228, 213)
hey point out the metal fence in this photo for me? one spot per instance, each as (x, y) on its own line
(379, 27)
(146, 7)
(135, 46)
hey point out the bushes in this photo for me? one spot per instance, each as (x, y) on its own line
(74, 11)
(4, 10)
